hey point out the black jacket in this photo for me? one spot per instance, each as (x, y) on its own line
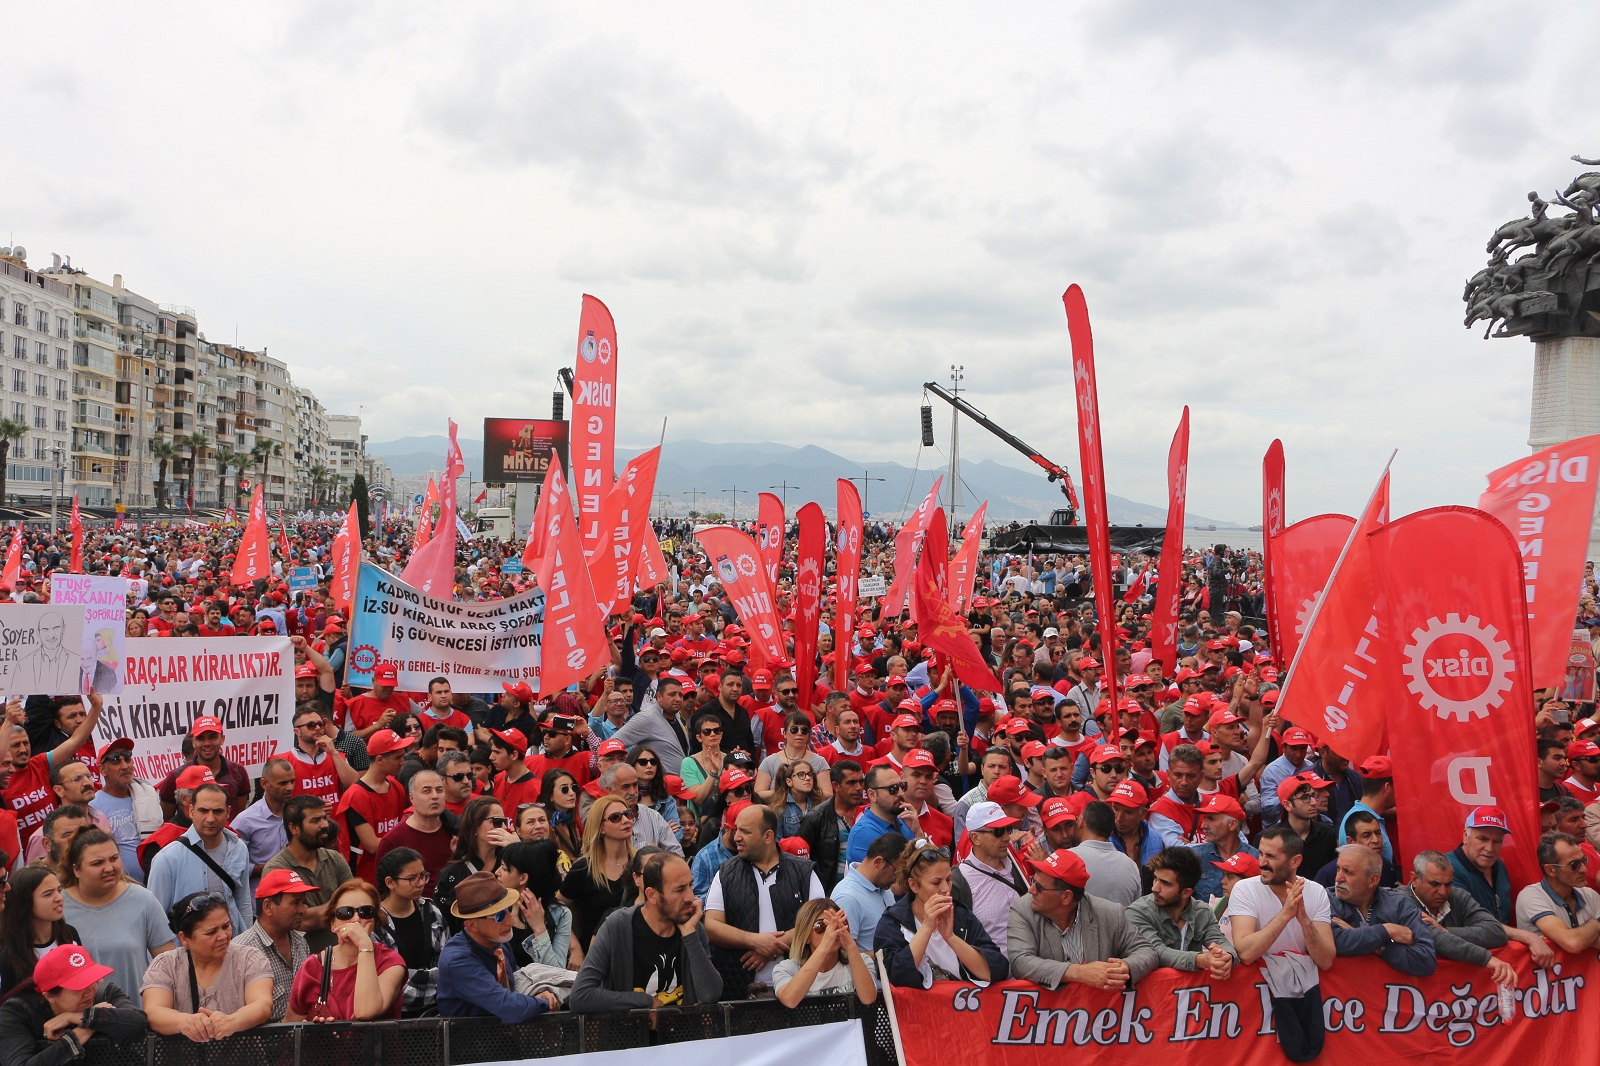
(820, 830)
(22, 1019)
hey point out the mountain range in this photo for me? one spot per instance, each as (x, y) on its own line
(697, 475)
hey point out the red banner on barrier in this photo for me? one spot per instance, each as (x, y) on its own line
(1272, 523)
(811, 564)
(1373, 1015)
(1302, 558)
(1547, 502)
(847, 564)
(1094, 483)
(1458, 694)
(1169, 580)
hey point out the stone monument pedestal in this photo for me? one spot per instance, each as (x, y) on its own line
(1566, 398)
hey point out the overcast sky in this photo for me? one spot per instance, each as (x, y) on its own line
(799, 214)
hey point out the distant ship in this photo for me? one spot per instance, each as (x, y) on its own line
(1256, 529)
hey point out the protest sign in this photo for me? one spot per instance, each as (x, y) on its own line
(475, 645)
(247, 683)
(1372, 1013)
(511, 566)
(872, 586)
(105, 606)
(40, 649)
(302, 578)
(1579, 685)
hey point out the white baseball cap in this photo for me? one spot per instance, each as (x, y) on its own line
(987, 815)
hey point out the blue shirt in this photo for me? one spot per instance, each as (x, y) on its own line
(863, 903)
(870, 827)
(468, 989)
(1388, 851)
(707, 861)
(1150, 843)
(1210, 885)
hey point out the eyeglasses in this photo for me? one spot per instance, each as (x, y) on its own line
(366, 912)
(646, 762)
(415, 879)
(458, 778)
(201, 902)
(116, 756)
(801, 773)
(525, 806)
(619, 816)
(893, 790)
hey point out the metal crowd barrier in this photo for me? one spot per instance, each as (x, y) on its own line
(457, 1041)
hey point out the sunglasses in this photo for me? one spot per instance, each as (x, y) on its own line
(742, 790)
(798, 731)
(1575, 865)
(819, 926)
(646, 762)
(498, 823)
(199, 903)
(711, 732)
(565, 789)
(497, 916)
(458, 778)
(619, 816)
(366, 912)
(122, 756)
(893, 790)
(788, 692)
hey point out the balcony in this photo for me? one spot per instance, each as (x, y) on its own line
(89, 477)
(95, 360)
(87, 448)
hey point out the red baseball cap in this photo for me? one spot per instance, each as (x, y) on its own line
(1185, 674)
(1217, 803)
(1128, 794)
(1290, 785)
(68, 966)
(1222, 718)
(906, 721)
(193, 777)
(520, 690)
(732, 812)
(1016, 726)
(1105, 753)
(677, 789)
(1088, 663)
(612, 746)
(1379, 766)
(1488, 818)
(1270, 697)
(760, 679)
(1294, 736)
(385, 741)
(1056, 810)
(205, 724)
(1008, 789)
(1583, 749)
(1241, 863)
(796, 846)
(919, 758)
(732, 778)
(275, 882)
(894, 679)
(304, 670)
(120, 742)
(1032, 750)
(385, 674)
(1063, 865)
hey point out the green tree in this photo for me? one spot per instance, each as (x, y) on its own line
(321, 478)
(164, 452)
(10, 430)
(262, 451)
(195, 443)
(228, 459)
(358, 493)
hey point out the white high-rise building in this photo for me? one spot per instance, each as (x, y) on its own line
(38, 324)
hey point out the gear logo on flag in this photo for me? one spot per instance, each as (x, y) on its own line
(1275, 511)
(1459, 668)
(747, 566)
(605, 351)
(1303, 619)
(364, 658)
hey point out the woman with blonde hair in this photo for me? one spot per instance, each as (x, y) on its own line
(823, 958)
(598, 882)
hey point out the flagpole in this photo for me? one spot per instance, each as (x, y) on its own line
(1316, 608)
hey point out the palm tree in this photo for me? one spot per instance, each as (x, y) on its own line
(263, 450)
(196, 442)
(228, 459)
(10, 430)
(164, 451)
(320, 476)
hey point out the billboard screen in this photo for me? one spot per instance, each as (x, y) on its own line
(519, 449)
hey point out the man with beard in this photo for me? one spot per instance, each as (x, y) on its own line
(310, 830)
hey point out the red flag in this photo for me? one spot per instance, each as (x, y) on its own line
(116, 527)
(847, 565)
(483, 494)
(1547, 502)
(1169, 579)
(941, 629)
(76, 525)
(811, 563)
(1136, 587)
(623, 521)
(1272, 522)
(539, 531)
(254, 558)
(1452, 594)
(283, 538)
(737, 564)
(650, 569)
(432, 567)
(964, 567)
(346, 558)
(11, 576)
(907, 542)
(594, 418)
(1337, 678)
(1302, 560)
(1094, 482)
(574, 642)
(230, 517)
(769, 535)
(425, 520)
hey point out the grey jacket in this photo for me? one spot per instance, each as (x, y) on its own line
(1366, 935)
(650, 726)
(1034, 942)
(1469, 930)
(605, 982)
(1162, 933)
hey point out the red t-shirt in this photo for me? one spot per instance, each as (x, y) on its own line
(342, 989)
(513, 793)
(10, 839)
(29, 794)
(576, 764)
(937, 826)
(320, 779)
(381, 810)
(435, 848)
(159, 626)
(454, 717)
(366, 708)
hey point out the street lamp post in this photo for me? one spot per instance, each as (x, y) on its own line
(55, 483)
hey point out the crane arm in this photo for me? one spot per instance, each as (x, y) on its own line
(1052, 471)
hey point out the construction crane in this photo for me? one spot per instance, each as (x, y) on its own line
(1053, 471)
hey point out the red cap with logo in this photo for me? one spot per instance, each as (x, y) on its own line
(607, 747)
(1294, 736)
(1241, 863)
(304, 670)
(1009, 789)
(676, 788)
(1217, 803)
(68, 966)
(796, 846)
(919, 759)
(1488, 818)
(1294, 783)
(1583, 749)
(205, 724)
(760, 679)
(1033, 750)
(277, 882)
(1129, 794)
(1063, 865)
(733, 778)
(385, 741)
(193, 777)
(385, 674)
(520, 691)
(1106, 753)
(1056, 810)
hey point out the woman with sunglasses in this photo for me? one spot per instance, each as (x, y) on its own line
(484, 830)
(927, 936)
(796, 749)
(598, 882)
(823, 958)
(364, 977)
(31, 923)
(653, 786)
(794, 795)
(701, 770)
(542, 925)
(212, 986)
(558, 795)
(414, 926)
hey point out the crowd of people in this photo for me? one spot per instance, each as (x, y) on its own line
(690, 826)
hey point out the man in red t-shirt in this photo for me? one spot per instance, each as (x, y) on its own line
(514, 784)
(440, 711)
(375, 710)
(559, 752)
(423, 830)
(375, 803)
(28, 793)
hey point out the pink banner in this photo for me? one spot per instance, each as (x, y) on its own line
(964, 567)
(1302, 558)
(1272, 522)
(810, 566)
(907, 544)
(769, 536)
(623, 521)
(574, 643)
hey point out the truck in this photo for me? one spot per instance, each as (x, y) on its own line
(492, 522)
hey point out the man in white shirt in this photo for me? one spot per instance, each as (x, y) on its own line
(1284, 921)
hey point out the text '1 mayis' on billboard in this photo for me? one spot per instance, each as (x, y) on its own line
(519, 449)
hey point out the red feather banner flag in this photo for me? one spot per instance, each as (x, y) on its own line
(594, 417)
(941, 629)
(75, 564)
(1272, 522)
(811, 562)
(907, 543)
(847, 565)
(737, 564)
(573, 643)
(1169, 581)
(346, 553)
(769, 535)
(1302, 560)
(964, 567)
